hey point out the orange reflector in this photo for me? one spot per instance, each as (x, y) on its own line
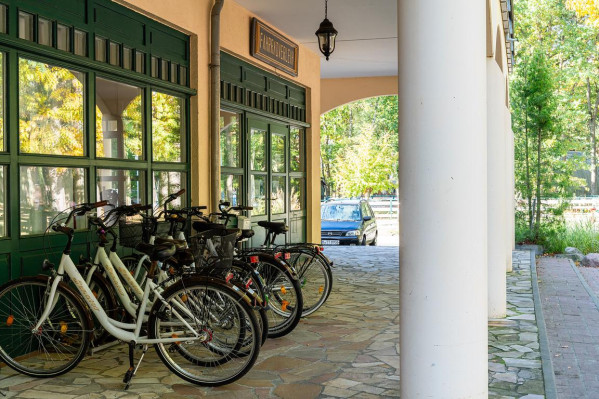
(284, 305)
(277, 255)
(131, 272)
(287, 255)
(171, 270)
(254, 259)
(249, 282)
(320, 249)
(9, 320)
(283, 289)
(229, 277)
(95, 294)
(176, 336)
(63, 327)
(320, 289)
(184, 298)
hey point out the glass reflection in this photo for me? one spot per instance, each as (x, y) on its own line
(296, 193)
(258, 194)
(278, 194)
(166, 183)
(230, 188)
(278, 153)
(50, 109)
(230, 143)
(121, 187)
(258, 149)
(46, 191)
(168, 127)
(119, 121)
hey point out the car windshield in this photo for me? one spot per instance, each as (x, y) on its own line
(340, 212)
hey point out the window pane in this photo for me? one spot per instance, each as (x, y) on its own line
(121, 187)
(278, 194)
(296, 193)
(63, 38)
(25, 26)
(119, 121)
(168, 127)
(100, 44)
(80, 43)
(2, 18)
(50, 109)
(115, 54)
(230, 142)
(164, 69)
(183, 76)
(166, 183)
(127, 58)
(140, 62)
(174, 72)
(296, 150)
(258, 194)
(44, 32)
(1, 102)
(278, 153)
(154, 67)
(2, 201)
(230, 188)
(257, 149)
(46, 191)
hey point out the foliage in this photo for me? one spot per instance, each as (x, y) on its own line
(587, 10)
(359, 147)
(50, 109)
(167, 120)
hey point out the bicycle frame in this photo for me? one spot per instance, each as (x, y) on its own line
(128, 332)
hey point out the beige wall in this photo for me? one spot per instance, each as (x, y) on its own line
(193, 17)
(336, 92)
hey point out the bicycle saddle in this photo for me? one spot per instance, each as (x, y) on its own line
(179, 244)
(159, 252)
(276, 227)
(247, 234)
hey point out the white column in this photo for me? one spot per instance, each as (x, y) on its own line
(497, 228)
(443, 194)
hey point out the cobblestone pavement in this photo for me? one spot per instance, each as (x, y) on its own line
(572, 319)
(515, 367)
(349, 348)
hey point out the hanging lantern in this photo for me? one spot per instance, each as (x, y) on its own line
(326, 35)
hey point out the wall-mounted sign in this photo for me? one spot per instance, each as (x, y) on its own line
(273, 48)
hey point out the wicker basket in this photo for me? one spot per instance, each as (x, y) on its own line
(133, 233)
(214, 247)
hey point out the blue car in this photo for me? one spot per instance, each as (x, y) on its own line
(347, 222)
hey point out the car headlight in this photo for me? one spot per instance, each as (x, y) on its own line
(353, 233)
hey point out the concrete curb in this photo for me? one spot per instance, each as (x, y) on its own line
(585, 285)
(548, 375)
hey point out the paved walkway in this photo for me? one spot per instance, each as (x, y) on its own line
(569, 299)
(349, 348)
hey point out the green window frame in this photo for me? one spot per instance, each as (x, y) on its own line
(71, 46)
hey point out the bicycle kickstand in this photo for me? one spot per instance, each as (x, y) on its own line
(133, 368)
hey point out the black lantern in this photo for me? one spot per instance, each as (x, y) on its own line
(326, 35)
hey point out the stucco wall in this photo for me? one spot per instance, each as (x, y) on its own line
(193, 17)
(336, 92)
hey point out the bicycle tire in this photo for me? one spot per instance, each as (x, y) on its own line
(284, 293)
(101, 289)
(315, 277)
(206, 367)
(61, 341)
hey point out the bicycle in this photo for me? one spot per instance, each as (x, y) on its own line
(47, 325)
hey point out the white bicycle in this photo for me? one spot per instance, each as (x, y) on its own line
(46, 326)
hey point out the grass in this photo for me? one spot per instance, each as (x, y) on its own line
(556, 237)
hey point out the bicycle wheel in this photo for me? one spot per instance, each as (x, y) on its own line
(315, 278)
(100, 287)
(59, 343)
(244, 275)
(225, 322)
(284, 296)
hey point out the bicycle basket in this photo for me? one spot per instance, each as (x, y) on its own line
(214, 247)
(130, 234)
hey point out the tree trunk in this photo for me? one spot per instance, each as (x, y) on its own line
(527, 161)
(538, 193)
(592, 110)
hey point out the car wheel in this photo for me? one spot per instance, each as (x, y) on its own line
(363, 239)
(376, 235)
